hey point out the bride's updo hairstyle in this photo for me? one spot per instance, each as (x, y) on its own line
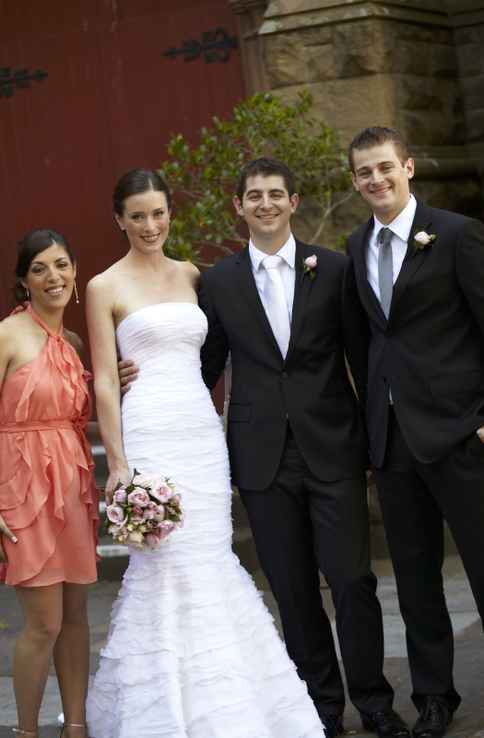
(135, 182)
(32, 244)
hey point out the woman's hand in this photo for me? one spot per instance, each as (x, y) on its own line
(5, 531)
(116, 475)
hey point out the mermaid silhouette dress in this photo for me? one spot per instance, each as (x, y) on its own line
(47, 493)
(192, 651)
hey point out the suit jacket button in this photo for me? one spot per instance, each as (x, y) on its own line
(284, 375)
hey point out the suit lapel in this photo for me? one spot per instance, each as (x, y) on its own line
(249, 291)
(414, 257)
(367, 296)
(302, 288)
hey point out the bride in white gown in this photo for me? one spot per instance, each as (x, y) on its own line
(192, 651)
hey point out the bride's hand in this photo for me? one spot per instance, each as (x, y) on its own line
(5, 531)
(118, 474)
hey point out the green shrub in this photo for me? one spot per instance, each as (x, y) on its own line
(204, 177)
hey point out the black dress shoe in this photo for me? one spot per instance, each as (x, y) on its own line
(435, 716)
(333, 725)
(386, 724)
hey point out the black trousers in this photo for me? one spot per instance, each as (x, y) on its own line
(302, 525)
(415, 498)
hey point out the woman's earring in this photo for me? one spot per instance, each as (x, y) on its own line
(76, 293)
(27, 293)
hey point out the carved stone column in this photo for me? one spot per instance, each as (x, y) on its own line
(250, 14)
(467, 19)
(385, 63)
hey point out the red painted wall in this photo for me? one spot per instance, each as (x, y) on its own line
(109, 103)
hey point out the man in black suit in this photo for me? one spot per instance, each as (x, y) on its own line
(420, 277)
(297, 446)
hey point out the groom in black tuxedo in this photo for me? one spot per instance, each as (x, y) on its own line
(298, 450)
(420, 277)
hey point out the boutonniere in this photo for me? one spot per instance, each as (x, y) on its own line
(309, 265)
(422, 239)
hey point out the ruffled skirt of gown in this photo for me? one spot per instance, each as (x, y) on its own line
(192, 650)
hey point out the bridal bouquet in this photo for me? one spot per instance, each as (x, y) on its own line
(144, 511)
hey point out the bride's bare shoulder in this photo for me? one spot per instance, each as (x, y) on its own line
(190, 270)
(109, 278)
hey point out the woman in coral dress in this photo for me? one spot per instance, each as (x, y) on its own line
(48, 500)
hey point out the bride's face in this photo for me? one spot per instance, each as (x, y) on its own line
(146, 221)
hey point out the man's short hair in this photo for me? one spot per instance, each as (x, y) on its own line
(267, 168)
(376, 136)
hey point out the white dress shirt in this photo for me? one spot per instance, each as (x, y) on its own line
(287, 270)
(400, 227)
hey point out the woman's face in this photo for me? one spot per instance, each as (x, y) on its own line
(50, 279)
(146, 220)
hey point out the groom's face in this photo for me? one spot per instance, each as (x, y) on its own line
(382, 179)
(267, 207)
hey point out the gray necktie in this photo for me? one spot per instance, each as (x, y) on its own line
(385, 269)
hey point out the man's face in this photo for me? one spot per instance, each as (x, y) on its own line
(382, 179)
(267, 208)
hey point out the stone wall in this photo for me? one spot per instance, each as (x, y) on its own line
(415, 66)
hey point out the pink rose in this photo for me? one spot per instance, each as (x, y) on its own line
(120, 496)
(115, 514)
(160, 513)
(137, 514)
(311, 261)
(138, 497)
(162, 492)
(153, 540)
(150, 510)
(165, 528)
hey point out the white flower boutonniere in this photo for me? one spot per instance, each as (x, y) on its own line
(309, 265)
(422, 239)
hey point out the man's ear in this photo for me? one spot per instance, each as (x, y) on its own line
(410, 167)
(355, 183)
(238, 206)
(294, 200)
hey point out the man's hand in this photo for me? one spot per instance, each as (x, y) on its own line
(5, 531)
(128, 372)
(480, 433)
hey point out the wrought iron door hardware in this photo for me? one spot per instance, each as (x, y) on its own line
(215, 46)
(11, 79)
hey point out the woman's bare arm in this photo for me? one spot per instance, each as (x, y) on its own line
(102, 340)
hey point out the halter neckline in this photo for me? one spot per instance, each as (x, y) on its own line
(37, 319)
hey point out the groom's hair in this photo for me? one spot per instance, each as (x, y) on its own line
(376, 136)
(266, 168)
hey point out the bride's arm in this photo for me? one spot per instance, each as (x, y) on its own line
(102, 340)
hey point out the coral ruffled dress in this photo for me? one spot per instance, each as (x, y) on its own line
(47, 493)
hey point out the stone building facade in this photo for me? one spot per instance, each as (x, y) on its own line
(415, 65)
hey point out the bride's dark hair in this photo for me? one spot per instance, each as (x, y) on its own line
(135, 182)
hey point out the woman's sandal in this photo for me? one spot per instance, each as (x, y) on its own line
(17, 731)
(72, 725)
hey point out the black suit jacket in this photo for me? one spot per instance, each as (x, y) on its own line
(430, 351)
(310, 388)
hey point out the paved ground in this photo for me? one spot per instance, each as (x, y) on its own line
(469, 657)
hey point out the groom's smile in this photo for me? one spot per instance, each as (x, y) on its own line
(267, 207)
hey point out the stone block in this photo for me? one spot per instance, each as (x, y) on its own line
(296, 58)
(475, 124)
(471, 59)
(351, 104)
(473, 92)
(360, 49)
(428, 128)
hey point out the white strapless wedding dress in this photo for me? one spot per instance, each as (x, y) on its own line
(192, 651)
